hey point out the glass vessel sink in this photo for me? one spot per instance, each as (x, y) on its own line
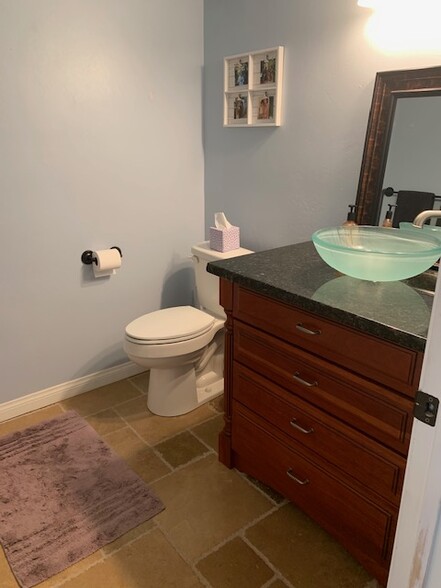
(377, 254)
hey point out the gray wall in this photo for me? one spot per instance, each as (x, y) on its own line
(281, 184)
(100, 145)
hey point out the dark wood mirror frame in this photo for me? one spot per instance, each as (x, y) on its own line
(389, 86)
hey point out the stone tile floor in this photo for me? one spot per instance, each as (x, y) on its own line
(219, 529)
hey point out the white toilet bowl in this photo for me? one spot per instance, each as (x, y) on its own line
(183, 348)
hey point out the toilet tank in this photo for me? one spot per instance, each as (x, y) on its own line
(207, 285)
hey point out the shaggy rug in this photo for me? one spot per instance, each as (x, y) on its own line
(64, 494)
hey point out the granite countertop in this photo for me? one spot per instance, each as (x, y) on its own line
(295, 274)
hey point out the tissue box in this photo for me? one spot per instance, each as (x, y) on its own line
(224, 239)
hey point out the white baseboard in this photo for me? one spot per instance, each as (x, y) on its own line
(43, 398)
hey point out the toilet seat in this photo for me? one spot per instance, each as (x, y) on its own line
(142, 350)
(169, 325)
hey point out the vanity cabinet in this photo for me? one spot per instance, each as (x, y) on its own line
(322, 413)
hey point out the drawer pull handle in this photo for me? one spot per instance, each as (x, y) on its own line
(297, 378)
(290, 474)
(300, 327)
(293, 423)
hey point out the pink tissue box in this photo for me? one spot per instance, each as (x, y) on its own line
(224, 239)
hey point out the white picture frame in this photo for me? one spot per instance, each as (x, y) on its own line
(253, 88)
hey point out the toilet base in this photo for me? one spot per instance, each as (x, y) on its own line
(209, 387)
(176, 391)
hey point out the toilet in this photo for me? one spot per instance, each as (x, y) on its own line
(183, 346)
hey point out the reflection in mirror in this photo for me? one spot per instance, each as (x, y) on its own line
(402, 144)
(413, 157)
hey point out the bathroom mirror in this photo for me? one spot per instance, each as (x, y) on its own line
(403, 140)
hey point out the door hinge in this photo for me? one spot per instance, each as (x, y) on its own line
(426, 408)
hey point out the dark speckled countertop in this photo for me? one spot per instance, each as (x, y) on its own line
(295, 274)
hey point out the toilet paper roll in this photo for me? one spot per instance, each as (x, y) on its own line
(107, 261)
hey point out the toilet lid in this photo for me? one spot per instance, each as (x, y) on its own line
(170, 325)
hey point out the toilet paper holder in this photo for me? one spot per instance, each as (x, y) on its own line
(88, 258)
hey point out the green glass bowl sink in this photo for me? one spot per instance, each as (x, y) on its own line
(377, 254)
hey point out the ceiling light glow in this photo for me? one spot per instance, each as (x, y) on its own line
(404, 25)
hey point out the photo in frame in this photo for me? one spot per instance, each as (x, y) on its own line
(241, 73)
(241, 106)
(238, 108)
(268, 70)
(263, 107)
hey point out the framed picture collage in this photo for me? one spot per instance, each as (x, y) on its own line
(253, 88)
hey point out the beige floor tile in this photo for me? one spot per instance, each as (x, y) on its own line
(149, 562)
(204, 504)
(106, 421)
(141, 381)
(128, 537)
(235, 565)
(218, 403)
(7, 578)
(154, 428)
(181, 449)
(278, 584)
(32, 418)
(101, 398)
(209, 431)
(137, 454)
(72, 571)
(305, 554)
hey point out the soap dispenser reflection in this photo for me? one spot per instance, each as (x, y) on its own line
(388, 218)
(350, 221)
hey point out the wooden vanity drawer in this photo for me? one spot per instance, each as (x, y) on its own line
(359, 458)
(364, 405)
(365, 528)
(374, 358)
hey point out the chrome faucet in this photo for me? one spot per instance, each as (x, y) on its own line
(421, 218)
